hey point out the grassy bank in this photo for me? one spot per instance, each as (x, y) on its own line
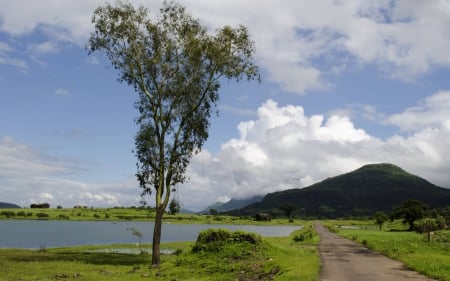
(283, 258)
(429, 258)
(126, 214)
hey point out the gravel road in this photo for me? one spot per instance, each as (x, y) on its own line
(343, 260)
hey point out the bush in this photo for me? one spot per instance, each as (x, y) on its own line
(212, 240)
(304, 234)
(21, 214)
(63, 217)
(8, 214)
(42, 215)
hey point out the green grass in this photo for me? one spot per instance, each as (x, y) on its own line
(431, 259)
(275, 258)
(129, 214)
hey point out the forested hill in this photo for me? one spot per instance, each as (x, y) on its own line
(371, 188)
(8, 205)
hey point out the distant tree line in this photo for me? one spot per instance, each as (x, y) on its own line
(40, 206)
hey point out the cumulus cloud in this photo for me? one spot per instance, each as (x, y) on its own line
(292, 37)
(434, 111)
(284, 148)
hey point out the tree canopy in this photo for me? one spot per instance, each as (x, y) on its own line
(409, 211)
(176, 67)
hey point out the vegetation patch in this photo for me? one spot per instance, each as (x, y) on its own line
(213, 240)
(305, 234)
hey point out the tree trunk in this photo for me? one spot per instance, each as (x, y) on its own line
(156, 245)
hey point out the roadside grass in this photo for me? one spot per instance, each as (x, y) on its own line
(429, 258)
(298, 260)
(275, 258)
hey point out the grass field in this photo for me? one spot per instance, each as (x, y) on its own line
(430, 258)
(127, 214)
(282, 258)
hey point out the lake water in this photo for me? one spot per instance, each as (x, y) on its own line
(35, 234)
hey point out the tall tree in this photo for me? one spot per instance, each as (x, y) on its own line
(409, 211)
(176, 68)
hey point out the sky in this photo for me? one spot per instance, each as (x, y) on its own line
(344, 84)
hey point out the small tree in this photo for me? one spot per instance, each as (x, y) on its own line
(174, 207)
(429, 225)
(213, 212)
(176, 68)
(409, 211)
(136, 232)
(380, 218)
(288, 209)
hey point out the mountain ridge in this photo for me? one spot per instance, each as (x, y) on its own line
(371, 188)
(5, 205)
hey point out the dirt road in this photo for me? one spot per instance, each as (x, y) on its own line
(343, 260)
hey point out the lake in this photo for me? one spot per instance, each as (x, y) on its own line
(34, 234)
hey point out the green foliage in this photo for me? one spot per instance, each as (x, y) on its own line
(7, 214)
(174, 207)
(288, 209)
(63, 217)
(213, 240)
(42, 215)
(304, 235)
(380, 218)
(409, 211)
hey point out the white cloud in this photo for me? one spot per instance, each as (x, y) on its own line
(434, 111)
(43, 48)
(7, 58)
(62, 92)
(404, 38)
(18, 160)
(28, 175)
(46, 196)
(283, 148)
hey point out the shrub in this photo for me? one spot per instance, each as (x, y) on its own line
(21, 214)
(304, 235)
(42, 215)
(8, 214)
(213, 240)
(63, 217)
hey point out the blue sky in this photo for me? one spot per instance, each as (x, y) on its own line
(344, 83)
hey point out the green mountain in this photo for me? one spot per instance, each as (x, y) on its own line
(371, 188)
(4, 205)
